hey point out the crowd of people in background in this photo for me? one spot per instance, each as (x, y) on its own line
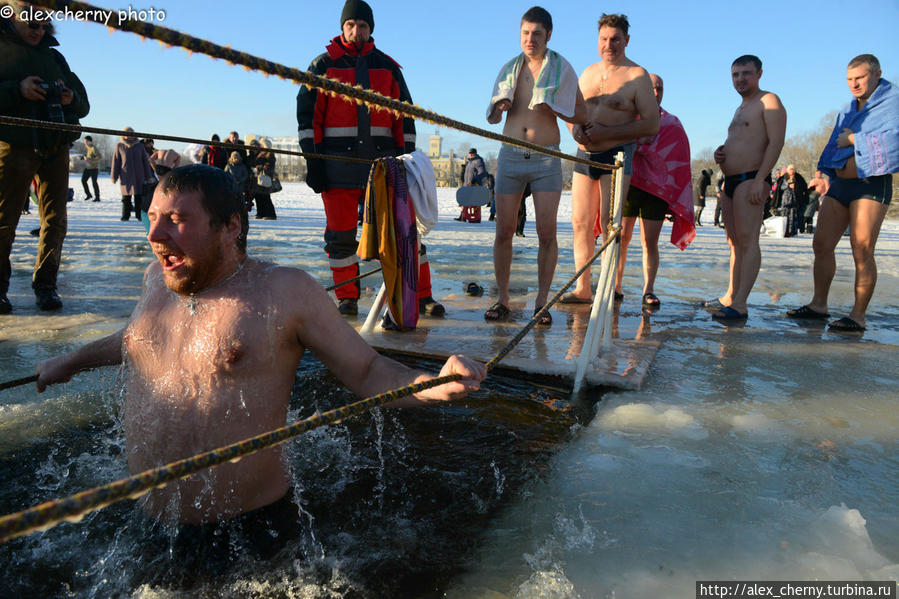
(629, 121)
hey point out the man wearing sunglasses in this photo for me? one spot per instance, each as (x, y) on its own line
(35, 83)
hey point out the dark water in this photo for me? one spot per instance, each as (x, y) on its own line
(392, 503)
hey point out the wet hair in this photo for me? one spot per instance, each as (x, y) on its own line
(539, 15)
(748, 59)
(868, 59)
(218, 194)
(616, 21)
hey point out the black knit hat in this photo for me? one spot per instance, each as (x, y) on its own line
(357, 9)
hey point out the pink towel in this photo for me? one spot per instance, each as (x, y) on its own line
(662, 168)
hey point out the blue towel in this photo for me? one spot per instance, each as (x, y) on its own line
(876, 129)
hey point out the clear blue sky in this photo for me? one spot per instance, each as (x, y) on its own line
(451, 52)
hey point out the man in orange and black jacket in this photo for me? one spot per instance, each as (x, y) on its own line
(338, 126)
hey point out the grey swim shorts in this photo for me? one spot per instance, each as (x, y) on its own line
(517, 167)
(606, 157)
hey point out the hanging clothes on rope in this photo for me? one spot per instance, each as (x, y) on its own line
(389, 234)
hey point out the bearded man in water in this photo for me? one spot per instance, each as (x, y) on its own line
(212, 349)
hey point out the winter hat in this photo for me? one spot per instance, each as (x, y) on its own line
(357, 9)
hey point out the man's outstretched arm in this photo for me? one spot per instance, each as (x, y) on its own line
(102, 352)
(321, 329)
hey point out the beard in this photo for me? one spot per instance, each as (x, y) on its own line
(193, 274)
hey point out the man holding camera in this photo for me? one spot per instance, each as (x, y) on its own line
(35, 83)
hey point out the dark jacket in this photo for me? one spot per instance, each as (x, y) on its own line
(702, 184)
(800, 193)
(475, 171)
(260, 162)
(339, 126)
(18, 60)
(131, 167)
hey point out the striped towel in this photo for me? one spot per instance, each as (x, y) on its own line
(556, 84)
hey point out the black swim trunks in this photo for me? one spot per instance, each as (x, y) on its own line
(606, 157)
(644, 204)
(732, 181)
(196, 552)
(846, 191)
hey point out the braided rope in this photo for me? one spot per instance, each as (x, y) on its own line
(354, 279)
(22, 122)
(18, 382)
(75, 507)
(171, 37)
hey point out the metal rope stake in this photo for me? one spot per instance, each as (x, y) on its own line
(171, 37)
(75, 507)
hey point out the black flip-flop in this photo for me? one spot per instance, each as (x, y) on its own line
(571, 298)
(619, 296)
(728, 313)
(845, 325)
(474, 290)
(545, 320)
(806, 313)
(651, 301)
(712, 304)
(497, 312)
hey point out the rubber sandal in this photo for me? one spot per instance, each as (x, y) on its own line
(806, 313)
(545, 320)
(474, 290)
(712, 304)
(619, 296)
(845, 325)
(497, 312)
(728, 313)
(571, 298)
(651, 301)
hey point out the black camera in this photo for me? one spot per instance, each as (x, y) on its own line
(53, 100)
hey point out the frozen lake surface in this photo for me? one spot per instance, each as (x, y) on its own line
(766, 451)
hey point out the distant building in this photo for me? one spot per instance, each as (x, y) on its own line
(447, 169)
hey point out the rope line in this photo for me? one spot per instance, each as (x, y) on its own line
(75, 507)
(172, 37)
(22, 122)
(354, 279)
(18, 382)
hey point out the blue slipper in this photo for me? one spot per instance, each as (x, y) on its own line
(728, 313)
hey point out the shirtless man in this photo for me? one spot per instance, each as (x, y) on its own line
(532, 89)
(621, 108)
(212, 349)
(754, 140)
(817, 189)
(861, 188)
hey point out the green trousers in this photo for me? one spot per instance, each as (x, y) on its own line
(18, 166)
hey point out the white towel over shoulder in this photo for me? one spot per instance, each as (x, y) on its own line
(556, 85)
